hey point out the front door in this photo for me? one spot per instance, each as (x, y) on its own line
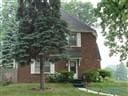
(73, 67)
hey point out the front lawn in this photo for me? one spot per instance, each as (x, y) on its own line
(119, 88)
(31, 90)
(114, 87)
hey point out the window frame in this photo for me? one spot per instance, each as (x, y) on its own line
(78, 39)
(34, 71)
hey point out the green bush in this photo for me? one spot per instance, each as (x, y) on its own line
(63, 76)
(67, 76)
(91, 76)
(52, 78)
(104, 73)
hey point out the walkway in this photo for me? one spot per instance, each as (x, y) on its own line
(95, 92)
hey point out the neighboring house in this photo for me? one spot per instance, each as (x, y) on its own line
(83, 50)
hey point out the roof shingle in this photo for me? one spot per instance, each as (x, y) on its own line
(74, 24)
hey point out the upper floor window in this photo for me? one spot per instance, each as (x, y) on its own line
(75, 40)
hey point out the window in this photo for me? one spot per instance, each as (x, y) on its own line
(75, 40)
(37, 66)
(48, 67)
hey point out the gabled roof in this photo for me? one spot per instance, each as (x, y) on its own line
(74, 24)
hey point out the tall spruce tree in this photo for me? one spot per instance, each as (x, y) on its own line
(41, 32)
(8, 31)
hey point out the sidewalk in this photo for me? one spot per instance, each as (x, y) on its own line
(95, 92)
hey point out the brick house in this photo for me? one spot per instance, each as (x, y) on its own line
(83, 50)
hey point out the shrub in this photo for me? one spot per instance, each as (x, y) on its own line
(63, 76)
(104, 73)
(91, 76)
(52, 78)
(67, 76)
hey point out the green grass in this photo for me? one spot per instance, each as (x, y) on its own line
(119, 88)
(114, 87)
(54, 90)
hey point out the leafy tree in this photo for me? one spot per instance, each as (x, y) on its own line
(84, 11)
(41, 32)
(114, 22)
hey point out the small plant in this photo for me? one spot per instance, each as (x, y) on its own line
(91, 76)
(104, 73)
(63, 76)
(52, 78)
(67, 76)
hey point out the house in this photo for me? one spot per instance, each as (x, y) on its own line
(83, 50)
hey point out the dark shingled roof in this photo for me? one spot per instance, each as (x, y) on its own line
(74, 24)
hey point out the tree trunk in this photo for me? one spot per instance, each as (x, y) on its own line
(42, 76)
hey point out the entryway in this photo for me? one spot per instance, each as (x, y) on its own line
(73, 67)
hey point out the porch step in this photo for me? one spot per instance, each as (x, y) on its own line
(78, 83)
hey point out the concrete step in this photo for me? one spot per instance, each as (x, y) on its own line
(80, 85)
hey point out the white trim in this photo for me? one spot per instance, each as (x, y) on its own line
(77, 64)
(69, 65)
(32, 68)
(15, 65)
(78, 39)
(52, 68)
(34, 71)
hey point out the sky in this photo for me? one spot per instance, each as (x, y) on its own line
(104, 51)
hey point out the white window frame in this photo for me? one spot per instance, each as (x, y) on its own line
(33, 71)
(78, 40)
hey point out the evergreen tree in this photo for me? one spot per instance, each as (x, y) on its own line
(37, 32)
(8, 32)
(41, 32)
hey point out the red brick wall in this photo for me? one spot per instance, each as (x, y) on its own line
(24, 74)
(89, 60)
(60, 66)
